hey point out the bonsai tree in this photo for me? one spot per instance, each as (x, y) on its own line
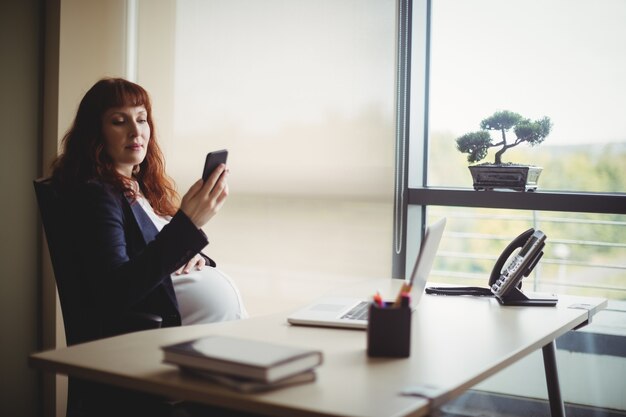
(476, 144)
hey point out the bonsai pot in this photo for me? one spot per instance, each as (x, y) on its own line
(505, 176)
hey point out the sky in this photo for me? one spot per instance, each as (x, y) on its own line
(263, 65)
(565, 59)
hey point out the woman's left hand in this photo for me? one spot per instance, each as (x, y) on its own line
(198, 262)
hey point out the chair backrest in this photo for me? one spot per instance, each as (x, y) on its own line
(80, 320)
(56, 218)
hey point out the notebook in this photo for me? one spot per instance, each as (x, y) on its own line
(352, 312)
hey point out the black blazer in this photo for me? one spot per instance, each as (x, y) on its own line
(124, 262)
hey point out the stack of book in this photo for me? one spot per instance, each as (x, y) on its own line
(243, 364)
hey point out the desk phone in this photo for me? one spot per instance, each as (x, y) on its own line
(519, 265)
(505, 282)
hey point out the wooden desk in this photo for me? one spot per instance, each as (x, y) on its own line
(456, 343)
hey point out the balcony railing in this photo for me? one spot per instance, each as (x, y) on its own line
(578, 258)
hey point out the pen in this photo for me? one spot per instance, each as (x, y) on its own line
(378, 299)
(405, 289)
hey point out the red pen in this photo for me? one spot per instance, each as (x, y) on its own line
(378, 299)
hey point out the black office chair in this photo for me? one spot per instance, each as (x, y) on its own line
(78, 319)
(75, 303)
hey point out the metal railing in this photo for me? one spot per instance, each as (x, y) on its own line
(601, 272)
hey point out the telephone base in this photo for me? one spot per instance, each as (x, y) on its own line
(515, 297)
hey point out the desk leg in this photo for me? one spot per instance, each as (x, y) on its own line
(557, 408)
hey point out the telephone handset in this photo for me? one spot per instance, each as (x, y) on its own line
(505, 282)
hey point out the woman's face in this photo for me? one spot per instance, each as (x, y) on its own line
(126, 135)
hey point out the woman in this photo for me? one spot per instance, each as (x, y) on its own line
(137, 249)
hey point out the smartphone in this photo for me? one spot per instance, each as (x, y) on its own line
(213, 159)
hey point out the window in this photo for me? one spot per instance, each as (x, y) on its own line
(558, 59)
(305, 107)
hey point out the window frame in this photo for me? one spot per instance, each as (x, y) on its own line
(413, 195)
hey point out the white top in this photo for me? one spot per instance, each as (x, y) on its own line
(159, 221)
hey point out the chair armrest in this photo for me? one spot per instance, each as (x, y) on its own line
(136, 321)
(114, 325)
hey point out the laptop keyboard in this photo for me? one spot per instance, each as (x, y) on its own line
(358, 312)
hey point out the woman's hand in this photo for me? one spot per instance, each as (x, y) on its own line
(204, 199)
(197, 262)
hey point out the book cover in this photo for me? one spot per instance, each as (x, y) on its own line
(246, 358)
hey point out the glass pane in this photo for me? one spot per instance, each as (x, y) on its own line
(305, 108)
(560, 58)
(584, 253)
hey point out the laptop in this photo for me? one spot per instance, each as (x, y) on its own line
(352, 312)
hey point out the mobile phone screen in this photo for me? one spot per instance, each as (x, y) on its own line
(213, 159)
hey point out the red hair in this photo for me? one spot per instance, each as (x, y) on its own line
(83, 157)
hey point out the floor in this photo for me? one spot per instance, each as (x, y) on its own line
(481, 404)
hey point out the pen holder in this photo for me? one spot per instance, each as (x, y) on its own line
(389, 331)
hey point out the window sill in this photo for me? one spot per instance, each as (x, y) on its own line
(611, 203)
